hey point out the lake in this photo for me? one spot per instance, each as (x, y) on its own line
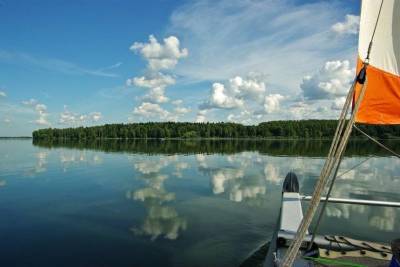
(174, 203)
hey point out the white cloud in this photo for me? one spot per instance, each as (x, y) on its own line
(349, 26)
(338, 103)
(250, 87)
(235, 93)
(95, 116)
(151, 110)
(2, 94)
(156, 85)
(332, 80)
(220, 97)
(201, 116)
(75, 119)
(181, 110)
(272, 103)
(160, 56)
(40, 110)
(7, 120)
(244, 117)
(159, 80)
(247, 99)
(154, 111)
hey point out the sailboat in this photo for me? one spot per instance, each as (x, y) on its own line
(374, 98)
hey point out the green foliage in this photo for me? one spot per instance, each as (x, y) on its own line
(304, 129)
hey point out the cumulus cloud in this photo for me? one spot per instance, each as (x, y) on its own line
(40, 110)
(221, 97)
(332, 80)
(2, 94)
(148, 110)
(68, 117)
(338, 103)
(251, 87)
(159, 80)
(181, 110)
(246, 97)
(350, 25)
(272, 103)
(234, 94)
(156, 83)
(160, 56)
(244, 117)
(95, 116)
(201, 116)
(155, 111)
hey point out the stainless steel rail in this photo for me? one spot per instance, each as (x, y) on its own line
(357, 201)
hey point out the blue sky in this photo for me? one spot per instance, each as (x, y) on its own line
(72, 63)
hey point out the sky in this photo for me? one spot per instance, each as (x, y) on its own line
(82, 63)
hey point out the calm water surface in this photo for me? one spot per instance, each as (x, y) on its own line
(172, 204)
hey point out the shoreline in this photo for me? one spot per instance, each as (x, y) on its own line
(200, 139)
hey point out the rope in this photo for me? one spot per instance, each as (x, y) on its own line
(373, 33)
(377, 142)
(355, 166)
(335, 154)
(314, 232)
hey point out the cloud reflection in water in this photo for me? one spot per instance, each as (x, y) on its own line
(161, 219)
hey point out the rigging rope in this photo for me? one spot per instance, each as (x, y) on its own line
(377, 142)
(338, 146)
(373, 33)
(355, 166)
(314, 232)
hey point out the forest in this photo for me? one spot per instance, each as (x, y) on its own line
(302, 129)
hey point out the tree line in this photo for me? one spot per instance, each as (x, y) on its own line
(302, 129)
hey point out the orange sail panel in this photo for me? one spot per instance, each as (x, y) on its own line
(381, 103)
